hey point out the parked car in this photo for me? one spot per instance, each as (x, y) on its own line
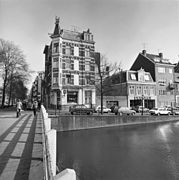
(174, 110)
(125, 110)
(105, 109)
(160, 111)
(80, 109)
(141, 108)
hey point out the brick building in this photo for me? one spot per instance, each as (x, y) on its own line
(131, 88)
(71, 63)
(162, 72)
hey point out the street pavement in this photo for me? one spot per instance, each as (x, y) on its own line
(21, 155)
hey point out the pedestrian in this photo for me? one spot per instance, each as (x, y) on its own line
(39, 105)
(19, 107)
(35, 106)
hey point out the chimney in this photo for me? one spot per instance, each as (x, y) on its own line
(144, 52)
(161, 55)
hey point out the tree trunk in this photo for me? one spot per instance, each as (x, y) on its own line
(10, 93)
(4, 89)
(101, 94)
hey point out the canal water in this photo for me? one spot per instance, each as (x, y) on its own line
(145, 152)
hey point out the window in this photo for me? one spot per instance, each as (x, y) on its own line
(55, 69)
(162, 82)
(67, 51)
(152, 91)
(72, 96)
(170, 70)
(87, 66)
(92, 68)
(72, 51)
(69, 79)
(63, 65)
(55, 59)
(87, 53)
(161, 69)
(63, 51)
(88, 97)
(55, 78)
(145, 90)
(139, 90)
(162, 92)
(72, 64)
(82, 67)
(56, 47)
(133, 77)
(131, 90)
(81, 80)
(67, 64)
(76, 51)
(146, 77)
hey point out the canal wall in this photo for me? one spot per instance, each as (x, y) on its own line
(67, 123)
(49, 140)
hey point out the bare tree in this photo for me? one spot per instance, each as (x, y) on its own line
(13, 65)
(104, 71)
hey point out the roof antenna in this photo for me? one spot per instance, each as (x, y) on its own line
(144, 46)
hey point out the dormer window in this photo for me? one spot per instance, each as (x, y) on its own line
(133, 76)
(146, 77)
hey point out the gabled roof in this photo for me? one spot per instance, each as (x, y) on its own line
(176, 68)
(156, 58)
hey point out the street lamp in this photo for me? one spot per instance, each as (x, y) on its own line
(142, 103)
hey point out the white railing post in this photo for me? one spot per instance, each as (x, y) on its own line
(51, 136)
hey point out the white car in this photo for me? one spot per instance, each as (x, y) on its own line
(159, 111)
(105, 109)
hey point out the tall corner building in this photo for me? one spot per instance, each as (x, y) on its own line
(71, 56)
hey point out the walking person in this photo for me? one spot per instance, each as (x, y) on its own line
(35, 106)
(19, 107)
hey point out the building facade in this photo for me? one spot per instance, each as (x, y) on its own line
(134, 88)
(72, 67)
(162, 72)
(37, 90)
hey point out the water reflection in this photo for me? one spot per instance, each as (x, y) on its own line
(137, 153)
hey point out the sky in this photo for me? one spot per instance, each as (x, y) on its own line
(121, 28)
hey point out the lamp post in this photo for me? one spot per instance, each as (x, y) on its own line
(142, 103)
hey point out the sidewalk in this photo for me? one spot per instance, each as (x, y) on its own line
(21, 155)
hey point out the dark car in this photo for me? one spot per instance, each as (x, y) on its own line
(80, 109)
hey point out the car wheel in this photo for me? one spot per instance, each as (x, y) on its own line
(71, 113)
(133, 114)
(116, 113)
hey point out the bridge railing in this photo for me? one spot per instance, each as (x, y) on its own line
(49, 152)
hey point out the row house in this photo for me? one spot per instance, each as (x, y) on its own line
(132, 88)
(70, 67)
(176, 83)
(162, 72)
(37, 90)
